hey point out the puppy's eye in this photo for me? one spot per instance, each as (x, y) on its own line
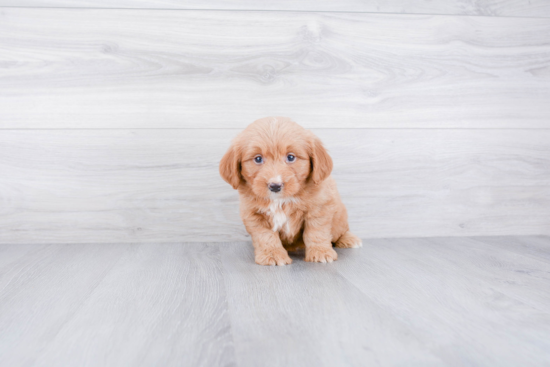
(258, 159)
(290, 158)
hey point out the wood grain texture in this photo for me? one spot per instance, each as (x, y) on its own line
(468, 301)
(532, 246)
(532, 8)
(90, 68)
(163, 185)
(438, 302)
(113, 305)
(308, 315)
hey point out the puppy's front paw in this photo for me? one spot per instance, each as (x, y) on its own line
(321, 254)
(277, 256)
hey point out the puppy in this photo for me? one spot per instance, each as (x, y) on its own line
(288, 199)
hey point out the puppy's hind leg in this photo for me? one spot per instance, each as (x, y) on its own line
(348, 240)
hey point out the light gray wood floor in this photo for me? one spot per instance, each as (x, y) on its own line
(482, 301)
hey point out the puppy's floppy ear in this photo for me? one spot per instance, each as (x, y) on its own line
(230, 167)
(321, 163)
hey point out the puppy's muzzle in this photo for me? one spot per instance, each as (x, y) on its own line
(275, 187)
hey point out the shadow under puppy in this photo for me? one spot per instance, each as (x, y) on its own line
(288, 199)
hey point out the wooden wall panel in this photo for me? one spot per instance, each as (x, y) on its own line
(112, 121)
(532, 8)
(82, 68)
(163, 185)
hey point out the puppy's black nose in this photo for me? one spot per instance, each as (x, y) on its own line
(275, 187)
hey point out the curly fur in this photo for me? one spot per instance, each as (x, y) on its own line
(307, 212)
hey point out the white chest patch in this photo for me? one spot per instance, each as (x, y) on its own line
(277, 214)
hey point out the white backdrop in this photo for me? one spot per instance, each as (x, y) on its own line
(113, 121)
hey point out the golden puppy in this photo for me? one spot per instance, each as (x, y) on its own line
(287, 196)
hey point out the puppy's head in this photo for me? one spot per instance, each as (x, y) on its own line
(276, 158)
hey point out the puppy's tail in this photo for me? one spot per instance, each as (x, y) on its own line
(349, 240)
